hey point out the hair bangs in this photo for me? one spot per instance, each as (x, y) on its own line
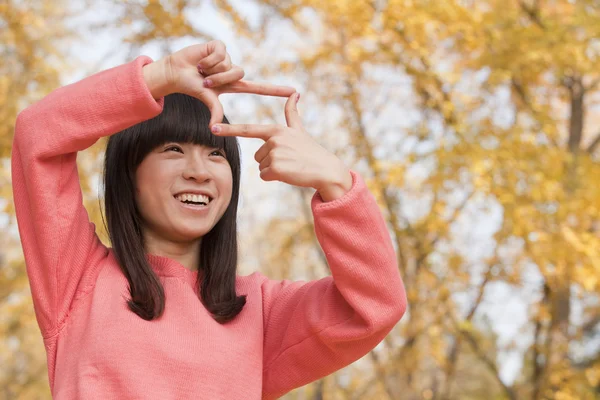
(184, 119)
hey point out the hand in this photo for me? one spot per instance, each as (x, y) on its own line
(205, 71)
(290, 155)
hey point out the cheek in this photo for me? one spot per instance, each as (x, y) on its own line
(149, 181)
(227, 184)
(144, 201)
(152, 177)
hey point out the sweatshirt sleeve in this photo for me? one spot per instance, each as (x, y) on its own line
(312, 329)
(62, 251)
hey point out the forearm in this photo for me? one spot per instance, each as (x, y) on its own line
(157, 77)
(75, 116)
(360, 253)
(313, 329)
(59, 243)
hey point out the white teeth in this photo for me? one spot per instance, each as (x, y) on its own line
(196, 198)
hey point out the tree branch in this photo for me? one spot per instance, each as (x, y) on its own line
(399, 353)
(539, 368)
(577, 115)
(454, 351)
(594, 145)
(481, 354)
(455, 214)
(533, 13)
(520, 91)
(369, 154)
(593, 86)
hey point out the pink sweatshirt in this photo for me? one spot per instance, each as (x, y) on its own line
(289, 333)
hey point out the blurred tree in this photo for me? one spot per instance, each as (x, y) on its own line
(31, 62)
(475, 124)
(506, 94)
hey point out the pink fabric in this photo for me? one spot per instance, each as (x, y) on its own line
(288, 334)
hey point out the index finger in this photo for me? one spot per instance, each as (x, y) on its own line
(265, 89)
(263, 132)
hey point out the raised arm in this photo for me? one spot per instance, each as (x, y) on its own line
(313, 329)
(62, 251)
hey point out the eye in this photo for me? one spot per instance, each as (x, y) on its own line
(219, 152)
(174, 147)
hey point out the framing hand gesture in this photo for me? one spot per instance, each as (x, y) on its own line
(291, 155)
(205, 71)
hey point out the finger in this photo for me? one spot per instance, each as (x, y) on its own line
(265, 89)
(216, 110)
(262, 152)
(222, 66)
(195, 52)
(265, 163)
(292, 116)
(234, 74)
(263, 132)
(268, 174)
(217, 53)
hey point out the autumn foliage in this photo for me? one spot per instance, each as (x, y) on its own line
(477, 127)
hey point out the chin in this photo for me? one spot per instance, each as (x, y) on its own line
(192, 234)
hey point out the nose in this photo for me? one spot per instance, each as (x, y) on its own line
(196, 169)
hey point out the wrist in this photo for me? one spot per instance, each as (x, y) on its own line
(336, 187)
(156, 78)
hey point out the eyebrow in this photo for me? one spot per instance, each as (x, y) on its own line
(192, 144)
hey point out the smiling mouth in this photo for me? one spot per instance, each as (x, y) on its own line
(194, 200)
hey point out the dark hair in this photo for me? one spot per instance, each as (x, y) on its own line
(184, 119)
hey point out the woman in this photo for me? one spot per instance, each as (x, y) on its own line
(162, 314)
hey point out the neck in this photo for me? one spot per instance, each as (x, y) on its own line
(187, 254)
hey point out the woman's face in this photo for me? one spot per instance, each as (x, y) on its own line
(175, 174)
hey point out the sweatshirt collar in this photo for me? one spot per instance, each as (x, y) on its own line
(167, 267)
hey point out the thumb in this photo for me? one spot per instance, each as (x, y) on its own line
(215, 107)
(216, 113)
(291, 111)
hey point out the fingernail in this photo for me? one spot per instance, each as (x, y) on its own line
(216, 129)
(297, 97)
(208, 83)
(200, 69)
